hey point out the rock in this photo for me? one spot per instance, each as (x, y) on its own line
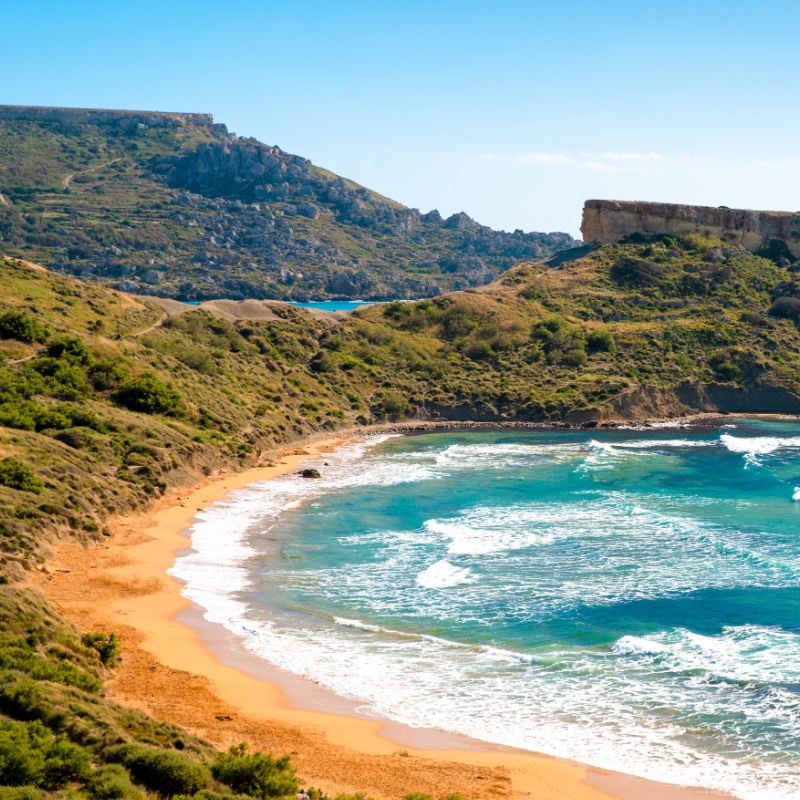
(310, 472)
(610, 221)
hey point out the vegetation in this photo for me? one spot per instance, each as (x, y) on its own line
(58, 733)
(115, 400)
(173, 206)
(107, 401)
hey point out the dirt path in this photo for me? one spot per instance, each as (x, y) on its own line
(68, 179)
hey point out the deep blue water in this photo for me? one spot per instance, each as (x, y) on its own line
(627, 598)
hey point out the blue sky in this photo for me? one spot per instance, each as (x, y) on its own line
(515, 112)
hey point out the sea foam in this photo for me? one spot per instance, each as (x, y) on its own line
(510, 620)
(443, 575)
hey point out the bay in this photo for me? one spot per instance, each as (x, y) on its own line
(626, 598)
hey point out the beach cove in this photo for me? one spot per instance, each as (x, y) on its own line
(173, 670)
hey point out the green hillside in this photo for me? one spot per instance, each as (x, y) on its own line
(108, 400)
(174, 205)
(107, 396)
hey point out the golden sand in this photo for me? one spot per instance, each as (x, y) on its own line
(168, 671)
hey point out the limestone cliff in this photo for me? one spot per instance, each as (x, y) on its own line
(608, 221)
(98, 116)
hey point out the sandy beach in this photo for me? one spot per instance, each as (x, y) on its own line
(182, 670)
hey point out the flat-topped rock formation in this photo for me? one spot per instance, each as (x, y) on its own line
(609, 221)
(103, 115)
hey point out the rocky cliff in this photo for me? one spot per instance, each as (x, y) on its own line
(608, 221)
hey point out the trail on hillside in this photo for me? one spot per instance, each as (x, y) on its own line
(69, 178)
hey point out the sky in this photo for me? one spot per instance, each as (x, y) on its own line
(514, 112)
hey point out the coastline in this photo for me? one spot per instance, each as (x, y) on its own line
(182, 669)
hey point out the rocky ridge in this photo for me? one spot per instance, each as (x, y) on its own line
(176, 205)
(610, 221)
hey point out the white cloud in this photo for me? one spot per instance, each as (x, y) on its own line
(635, 157)
(558, 159)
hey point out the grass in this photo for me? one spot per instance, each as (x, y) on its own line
(106, 403)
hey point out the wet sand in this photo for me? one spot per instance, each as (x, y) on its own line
(182, 669)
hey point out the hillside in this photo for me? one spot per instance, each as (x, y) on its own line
(109, 400)
(108, 396)
(175, 205)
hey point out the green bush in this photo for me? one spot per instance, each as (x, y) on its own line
(107, 374)
(322, 362)
(393, 404)
(786, 308)
(111, 782)
(635, 272)
(62, 378)
(69, 348)
(149, 394)
(600, 341)
(458, 320)
(106, 645)
(21, 326)
(255, 774)
(31, 755)
(17, 475)
(163, 771)
(20, 793)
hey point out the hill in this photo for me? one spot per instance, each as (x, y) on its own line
(175, 205)
(109, 400)
(117, 398)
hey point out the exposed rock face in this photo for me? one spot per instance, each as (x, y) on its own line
(608, 221)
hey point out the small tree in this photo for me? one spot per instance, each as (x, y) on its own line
(17, 475)
(255, 774)
(149, 394)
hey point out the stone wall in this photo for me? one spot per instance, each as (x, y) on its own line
(608, 221)
(100, 115)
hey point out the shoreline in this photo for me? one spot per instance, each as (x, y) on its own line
(182, 669)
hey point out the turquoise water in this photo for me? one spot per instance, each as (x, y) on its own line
(626, 598)
(334, 305)
(325, 305)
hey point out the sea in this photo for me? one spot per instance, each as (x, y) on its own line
(626, 598)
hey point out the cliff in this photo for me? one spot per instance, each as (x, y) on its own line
(608, 221)
(98, 116)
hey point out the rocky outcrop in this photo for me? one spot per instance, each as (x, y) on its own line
(203, 214)
(608, 221)
(649, 402)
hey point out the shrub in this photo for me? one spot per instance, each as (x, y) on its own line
(636, 272)
(17, 475)
(163, 771)
(62, 378)
(111, 782)
(393, 404)
(19, 793)
(255, 774)
(478, 350)
(21, 326)
(458, 320)
(31, 755)
(786, 308)
(107, 647)
(149, 394)
(70, 348)
(322, 362)
(600, 341)
(107, 374)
